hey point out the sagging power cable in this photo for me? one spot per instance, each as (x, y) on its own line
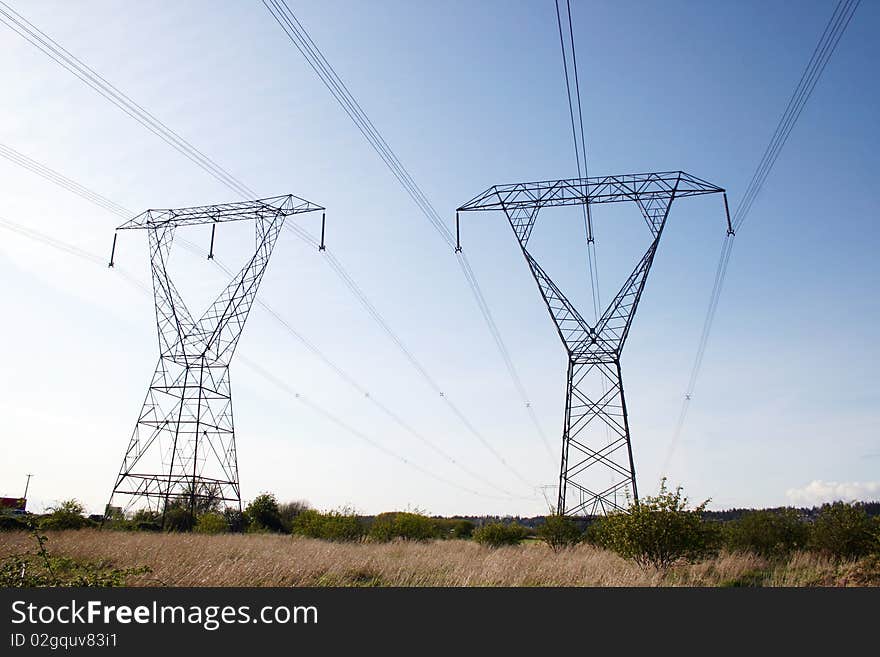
(95, 259)
(101, 201)
(303, 42)
(834, 29)
(91, 78)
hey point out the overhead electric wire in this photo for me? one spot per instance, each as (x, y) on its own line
(64, 58)
(831, 35)
(93, 258)
(303, 42)
(580, 152)
(581, 156)
(103, 202)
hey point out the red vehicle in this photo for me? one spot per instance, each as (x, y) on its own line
(13, 504)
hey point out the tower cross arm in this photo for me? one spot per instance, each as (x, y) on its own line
(603, 189)
(209, 214)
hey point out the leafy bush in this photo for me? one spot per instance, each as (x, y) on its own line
(236, 520)
(462, 529)
(658, 532)
(767, 533)
(844, 530)
(496, 534)
(178, 519)
(67, 515)
(402, 524)
(559, 532)
(146, 515)
(200, 497)
(142, 520)
(211, 523)
(289, 511)
(331, 526)
(9, 522)
(147, 526)
(452, 527)
(263, 513)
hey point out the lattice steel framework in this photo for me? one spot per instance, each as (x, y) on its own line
(183, 445)
(597, 472)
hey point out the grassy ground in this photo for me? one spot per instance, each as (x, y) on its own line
(275, 560)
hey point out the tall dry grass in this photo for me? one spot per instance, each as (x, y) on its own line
(276, 560)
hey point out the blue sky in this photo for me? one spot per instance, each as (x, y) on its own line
(469, 95)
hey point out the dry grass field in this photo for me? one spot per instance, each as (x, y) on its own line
(278, 560)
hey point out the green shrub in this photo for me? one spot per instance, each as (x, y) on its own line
(331, 526)
(844, 530)
(452, 527)
(767, 533)
(263, 513)
(211, 523)
(559, 532)
(146, 515)
(67, 515)
(236, 520)
(658, 532)
(405, 525)
(60, 521)
(9, 522)
(147, 526)
(142, 520)
(462, 529)
(178, 519)
(200, 497)
(496, 534)
(288, 513)
(123, 525)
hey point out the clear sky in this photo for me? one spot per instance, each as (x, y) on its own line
(469, 94)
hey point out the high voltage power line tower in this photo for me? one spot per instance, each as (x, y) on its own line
(183, 445)
(597, 472)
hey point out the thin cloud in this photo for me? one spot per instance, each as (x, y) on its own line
(819, 492)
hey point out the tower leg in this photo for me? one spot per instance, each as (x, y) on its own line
(597, 474)
(182, 451)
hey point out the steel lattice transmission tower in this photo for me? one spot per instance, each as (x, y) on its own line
(183, 445)
(597, 471)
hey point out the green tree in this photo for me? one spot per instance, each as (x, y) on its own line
(403, 524)
(142, 520)
(236, 520)
(201, 497)
(767, 533)
(211, 523)
(177, 517)
(66, 515)
(462, 529)
(497, 534)
(559, 532)
(658, 532)
(289, 511)
(844, 530)
(341, 525)
(263, 513)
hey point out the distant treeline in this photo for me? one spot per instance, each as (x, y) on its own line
(725, 515)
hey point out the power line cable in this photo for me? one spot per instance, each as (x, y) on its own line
(303, 42)
(64, 58)
(831, 35)
(93, 258)
(580, 153)
(103, 202)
